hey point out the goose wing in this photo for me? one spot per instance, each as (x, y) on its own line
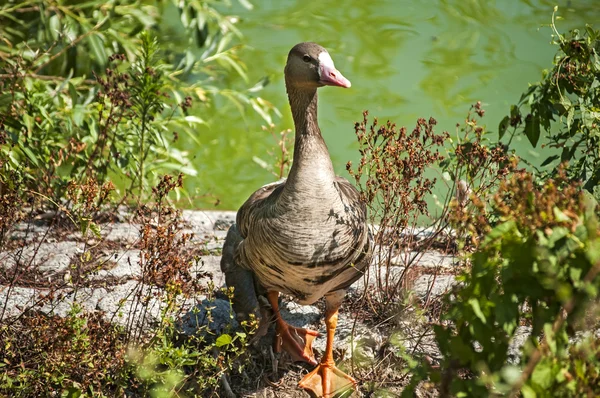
(257, 201)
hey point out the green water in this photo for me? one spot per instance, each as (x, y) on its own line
(405, 60)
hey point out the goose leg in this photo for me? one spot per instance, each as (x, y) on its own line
(326, 380)
(296, 341)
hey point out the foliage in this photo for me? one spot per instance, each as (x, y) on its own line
(537, 266)
(83, 353)
(566, 105)
(44, 355)
(59, 126)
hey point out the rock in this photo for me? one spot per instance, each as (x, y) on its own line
(131, 303)
(429, 259)
(202, 222)
(122, 264)
(222, 220)
(210, 265)
(199, 221)
(216, 314)
(45, 258)
(299, 315)
(28, 232)
(122, 233)
(439, 284)
(516, 344)
(373, 274)
(17, 300)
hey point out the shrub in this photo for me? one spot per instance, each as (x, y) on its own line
(392, 179)
(565, 105)
(86, 95)
(538, 266)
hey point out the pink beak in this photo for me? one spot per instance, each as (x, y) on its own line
(332, 77)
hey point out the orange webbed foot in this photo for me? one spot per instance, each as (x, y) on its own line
(326, 380)
(297, 342)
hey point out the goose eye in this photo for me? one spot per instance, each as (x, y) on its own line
(306, 58)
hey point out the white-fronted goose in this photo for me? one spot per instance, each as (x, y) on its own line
(305, 236)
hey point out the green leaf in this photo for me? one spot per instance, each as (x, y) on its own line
(194, 120)
(532, 128)
(98, 49)
(550, 338)
(95, 230)
(223, 340)
(477, 309)
(528, 392)
(31, 156)
(54, 22)
(500, 231)
(549, 160)
(559, 215)
(504, 123)
(570, 116)
(542, 375)
(246, 4)
(259, 85)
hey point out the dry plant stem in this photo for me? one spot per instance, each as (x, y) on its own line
(537, 354)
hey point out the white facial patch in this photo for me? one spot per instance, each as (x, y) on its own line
(325, 60)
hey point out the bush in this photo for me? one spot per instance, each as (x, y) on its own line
(565, 105)
(532, 247)
(538, 266)
(88, 93)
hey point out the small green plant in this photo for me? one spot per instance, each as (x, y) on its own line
(80, 354)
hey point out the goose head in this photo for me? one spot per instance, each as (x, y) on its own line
(310, 66)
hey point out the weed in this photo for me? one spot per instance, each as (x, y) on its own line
(392, 180)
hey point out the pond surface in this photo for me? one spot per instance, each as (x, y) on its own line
(405, 60)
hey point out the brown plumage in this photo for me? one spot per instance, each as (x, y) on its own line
(305, 236)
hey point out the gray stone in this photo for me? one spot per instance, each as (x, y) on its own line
(29, 231)
(46, 258)
(57, 302)
(199, 221)
(516, 344)
(414, 336)
(438, 284)
(210, 265)
(202, 222)
(299, 315)
(17, 300)
(429, 259)
(222, 220)
(122, 264)
(122, 233)
(216, 314)
(374, 275)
